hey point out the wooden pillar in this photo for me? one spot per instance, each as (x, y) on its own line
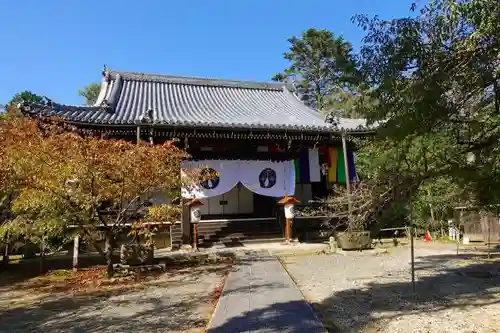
(138, 134)
(186, 225)
(348, 177)
(195, 236)
(76, 249)
(151, 136)
(288, 229)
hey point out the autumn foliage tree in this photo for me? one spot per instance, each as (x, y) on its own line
(10, 181)
(64, 178)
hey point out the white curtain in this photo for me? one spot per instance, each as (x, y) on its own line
(314, 167)
(227, 178)
(274, 179)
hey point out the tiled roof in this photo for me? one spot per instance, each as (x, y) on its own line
(134, 98)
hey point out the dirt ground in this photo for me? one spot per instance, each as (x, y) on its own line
(181, 300)
(371, 291)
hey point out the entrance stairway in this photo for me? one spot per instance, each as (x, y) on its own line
(238, 232)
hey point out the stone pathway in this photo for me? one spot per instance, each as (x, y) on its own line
(260, 297)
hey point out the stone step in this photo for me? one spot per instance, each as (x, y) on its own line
(238, 233)
(240, 240)
(213, 227)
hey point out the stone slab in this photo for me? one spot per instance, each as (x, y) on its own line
(259, 296)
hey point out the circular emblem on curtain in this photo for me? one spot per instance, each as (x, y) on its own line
(211, 179)
(267, 178)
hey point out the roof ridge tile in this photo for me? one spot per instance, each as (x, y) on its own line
(188, 80)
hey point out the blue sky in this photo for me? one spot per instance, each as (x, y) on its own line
(55, 47)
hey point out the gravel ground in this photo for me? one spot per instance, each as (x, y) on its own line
(175, 302)
(370, 291)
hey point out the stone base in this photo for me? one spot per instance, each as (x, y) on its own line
(197, 258)
(127, 270)
(186, 248)
(291, 242)
(135, 254)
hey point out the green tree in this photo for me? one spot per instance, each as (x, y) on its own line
(349, 103)
(25, 97)
(320, 64)
(90, 93)
(435, 78)
(435, 202)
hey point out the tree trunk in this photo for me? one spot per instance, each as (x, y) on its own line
(5, 259)
(76, 250)
(109, 253)
(42, 255)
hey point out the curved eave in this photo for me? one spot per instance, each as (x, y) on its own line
(236, 127)
(84, 110)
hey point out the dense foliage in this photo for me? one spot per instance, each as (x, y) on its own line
(321, 65)
(57, 179)
(25, 97)
(90, 93)
(430, 81)
(436, 81)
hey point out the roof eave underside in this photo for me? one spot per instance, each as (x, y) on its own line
(184, 126)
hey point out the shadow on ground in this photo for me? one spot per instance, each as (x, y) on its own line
(25, 269)
(451, 287)
(121, 309)
(441, 285)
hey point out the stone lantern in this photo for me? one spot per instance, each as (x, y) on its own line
(288, 203)
(195, 217)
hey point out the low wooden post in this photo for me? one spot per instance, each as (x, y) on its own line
(288, 230)
(412, 254)
(76, 249)
(195, 236)
(42, 254)
(108, 245)
(289, 204)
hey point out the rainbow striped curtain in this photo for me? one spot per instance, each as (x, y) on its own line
(336, 166)
(307, 166)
